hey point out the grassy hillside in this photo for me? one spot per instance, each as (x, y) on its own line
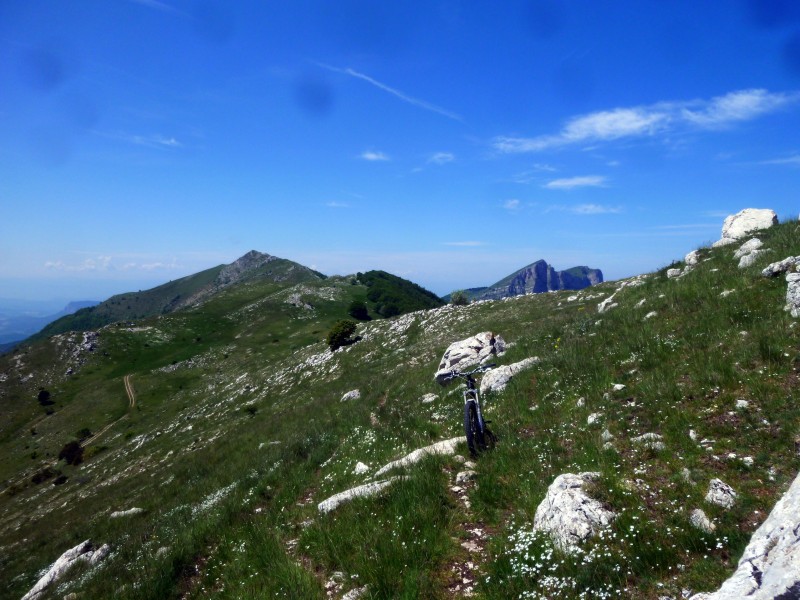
(238, 431)
(174, 295)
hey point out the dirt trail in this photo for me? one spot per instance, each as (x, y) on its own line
(131, 404)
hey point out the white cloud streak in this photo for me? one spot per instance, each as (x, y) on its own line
(371, 155)
(586, 209)
(441, 158)
(792, 161)
(571, 183)
(650, 120)
(396, 93)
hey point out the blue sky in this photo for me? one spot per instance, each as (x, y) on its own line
(447, 142)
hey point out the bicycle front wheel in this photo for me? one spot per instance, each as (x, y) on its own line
(472, 428)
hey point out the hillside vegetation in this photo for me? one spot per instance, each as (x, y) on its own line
(242, 421)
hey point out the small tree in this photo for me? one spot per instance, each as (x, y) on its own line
(358, 310)
(340, 333)
(459, 298)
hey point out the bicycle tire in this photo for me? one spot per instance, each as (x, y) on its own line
(475, 439)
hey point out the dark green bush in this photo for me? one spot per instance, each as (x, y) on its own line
(358, 310)
(459, 298)
(72, 452)
(340, 333)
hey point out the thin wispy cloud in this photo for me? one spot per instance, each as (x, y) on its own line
(107, 263)
(792, 161)
(585, 209)
(441, 158)
(571, 183)
(396, 93)
(150, 141)
(512, 204)
(654, 119)
(335, 204)
(158, 5)
(374, 156)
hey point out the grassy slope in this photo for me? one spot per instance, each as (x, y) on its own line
(238, 432)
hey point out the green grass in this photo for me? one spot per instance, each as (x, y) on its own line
(238, 432)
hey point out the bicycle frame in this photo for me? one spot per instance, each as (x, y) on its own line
(475, 398)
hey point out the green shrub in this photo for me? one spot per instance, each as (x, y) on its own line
(340, 333)
(358, 310)
(459, 298)
(72, 452)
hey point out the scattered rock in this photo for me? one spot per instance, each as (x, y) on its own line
(607, 436)
(126, 513)
(444, 447)
(692, 259)
(465, 476)
(749, 259)
(741, 403)
(568, 514)
(650, 315)
(360, 468)
(428, 398)
(748, 247)
(793, 294)
(361, 491)
(594, 418)
(618, 387)
(497, 379)
(768, 567)
(351, 395)
(782, 266)
(472, 351)
(356, 593)
(652, 441)
(699, 519)
(673, 273)
(83, 552)
(738, 226)
(721, 494)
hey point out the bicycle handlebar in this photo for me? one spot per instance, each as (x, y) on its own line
(481, 369)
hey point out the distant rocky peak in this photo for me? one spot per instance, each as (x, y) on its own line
(233, 272)
(541, 277)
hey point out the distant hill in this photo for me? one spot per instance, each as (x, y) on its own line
(536, 278)
(391, 295)
(17, 327)
(184, 292)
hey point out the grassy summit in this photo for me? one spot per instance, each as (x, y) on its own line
(238, 430)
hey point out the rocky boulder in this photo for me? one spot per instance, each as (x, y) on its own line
(83, 552)
(738, 226)
(568, 514)
(497, 379)
(770, 565)
(470, 352)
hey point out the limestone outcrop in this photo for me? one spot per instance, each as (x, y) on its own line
(770, 565)
(568, 514)
(470, 352)
(738, 226)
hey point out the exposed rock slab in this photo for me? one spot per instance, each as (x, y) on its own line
(83, 552)
(497, 379)
(445, 447)
(720, 493)
(770, 565)
(469, 352)
(568, 514)
(361, 491)
(738, 226)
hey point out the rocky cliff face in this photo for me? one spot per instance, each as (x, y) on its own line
(542, 277)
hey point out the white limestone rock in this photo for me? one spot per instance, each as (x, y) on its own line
(351, 395)
(721, 494)
(126, 513)
(652, 441)
(428, 398)
(673, 273)
(568, 514)
(361, 491)
(692, 259)
(699, 520)
(472, 351)
(748, 247)
(770, 565)
(360, 468)
(738, 226)
(445, 447)
(789, 263)
(749, 259)
(83, 552)
(497, 379)
(793, 294)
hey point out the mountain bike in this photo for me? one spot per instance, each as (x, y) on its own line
(479, 436)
